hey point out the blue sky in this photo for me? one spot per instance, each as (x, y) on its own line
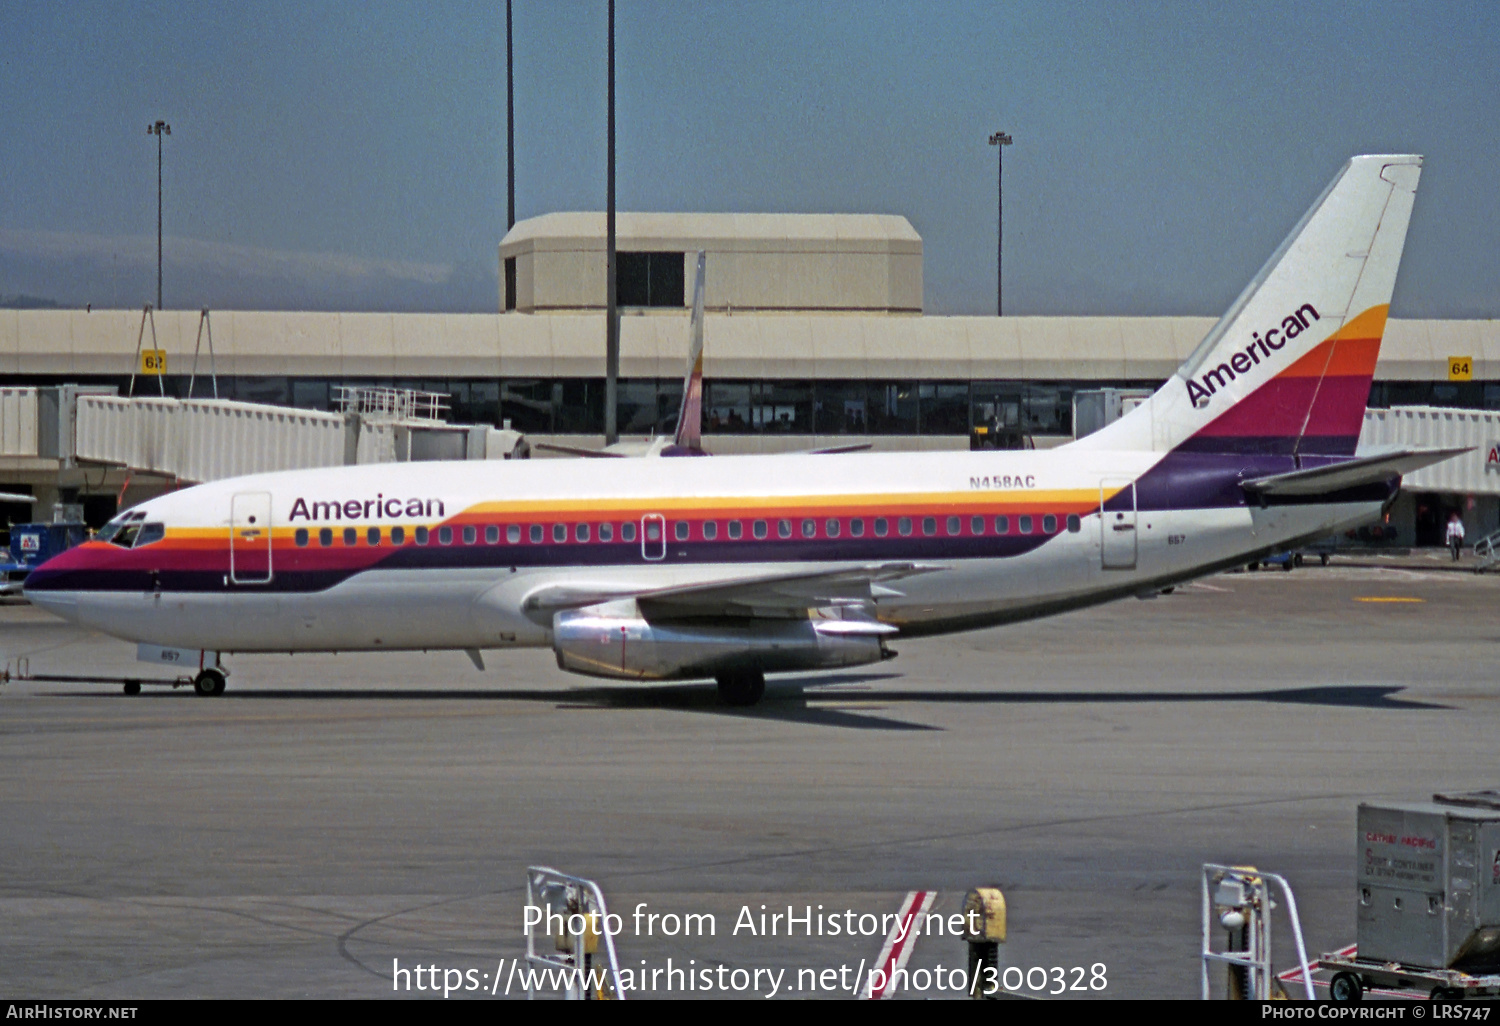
(352, 155)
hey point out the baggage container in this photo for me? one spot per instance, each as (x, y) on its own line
(1429, 882)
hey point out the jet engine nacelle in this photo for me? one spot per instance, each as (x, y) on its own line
(604, 642)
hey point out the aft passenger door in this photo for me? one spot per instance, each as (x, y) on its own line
(1117, 546)
(250, 538)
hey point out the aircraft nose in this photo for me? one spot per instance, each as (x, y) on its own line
(56, 603)
(53, 586)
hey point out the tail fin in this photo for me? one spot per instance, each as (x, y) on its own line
(689, 434)
(1287, 370)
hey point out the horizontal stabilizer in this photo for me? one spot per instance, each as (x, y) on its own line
(1350, 474)
(832, 450)
(578, 450)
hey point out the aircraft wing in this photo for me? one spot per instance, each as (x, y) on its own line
(1351, 474)
(764, 594)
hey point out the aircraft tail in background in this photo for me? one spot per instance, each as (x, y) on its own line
(689, 434)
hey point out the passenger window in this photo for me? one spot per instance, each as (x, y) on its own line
(653, 531)
(423, 536)
(559, 533)
(903, 526)
(1002, 525)
(513, 533)
(831, 528)
(710, 530)
(470, 534)
(445, 536)
(325, 537)
(351, 536)
(372, 535)
(760, 529)
(976, 525)
(1074, 524)
(156, 532)
(735, 530)
(627, 531)
(535, 534)
(1049, 524)
(955, 526)
(606, 532)
(681, 529)
(581, 533)
(882, 528)
(1026, 525)
(929, 526)
(809, 528)
(784, 528)
(398, 536)
(492, 534)
(300, 537)
(857, 528)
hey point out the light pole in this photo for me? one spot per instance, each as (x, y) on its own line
(1000, 140)
(611, 322)
(159, 129)
(510, 126)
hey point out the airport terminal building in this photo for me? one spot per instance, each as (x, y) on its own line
(814, 335)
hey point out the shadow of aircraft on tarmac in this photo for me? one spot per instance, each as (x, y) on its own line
(843, 700)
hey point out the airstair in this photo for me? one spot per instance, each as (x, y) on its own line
(1487, 552)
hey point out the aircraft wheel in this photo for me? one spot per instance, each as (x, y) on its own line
(209, 682)
(132, 687)
(1346, 988)
(741, 688)
(1446, 994)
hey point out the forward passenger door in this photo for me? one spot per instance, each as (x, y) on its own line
(250, 538)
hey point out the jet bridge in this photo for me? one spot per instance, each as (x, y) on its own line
(208, 439)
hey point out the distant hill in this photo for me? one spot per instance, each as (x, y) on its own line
(24, 302)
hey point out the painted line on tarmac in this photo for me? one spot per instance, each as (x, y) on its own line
(1388, 598)
(898, 945)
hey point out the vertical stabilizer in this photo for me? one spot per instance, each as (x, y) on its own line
(1287, 370)
(689, 433)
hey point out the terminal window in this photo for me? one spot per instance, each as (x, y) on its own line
(650, 279)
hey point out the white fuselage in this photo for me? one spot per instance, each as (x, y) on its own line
(473, 595)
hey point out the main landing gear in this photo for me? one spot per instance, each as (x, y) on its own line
(741, 687)
(210, 681)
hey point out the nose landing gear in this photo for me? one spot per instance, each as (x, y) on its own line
(210, 681)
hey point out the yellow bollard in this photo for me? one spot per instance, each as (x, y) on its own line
(984, 930)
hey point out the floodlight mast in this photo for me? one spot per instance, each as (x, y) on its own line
(1000, 140)
(159, 129)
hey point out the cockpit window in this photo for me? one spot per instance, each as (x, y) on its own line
(122, 530)
(150, 533)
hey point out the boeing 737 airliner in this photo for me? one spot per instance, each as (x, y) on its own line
(733, 567)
